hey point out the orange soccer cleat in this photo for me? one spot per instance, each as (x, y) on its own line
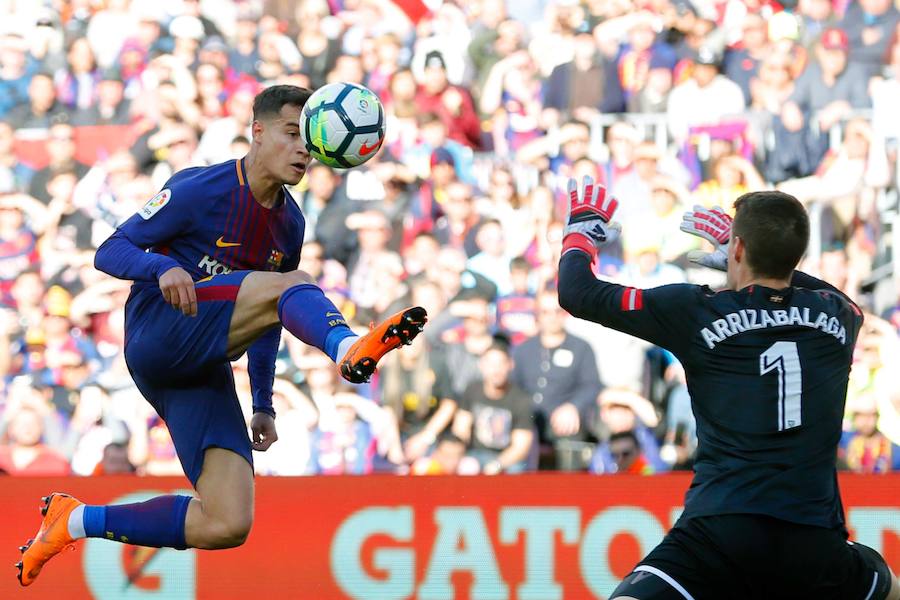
(361, 359)
(51, 539)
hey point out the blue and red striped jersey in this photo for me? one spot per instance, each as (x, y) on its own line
(206, 220)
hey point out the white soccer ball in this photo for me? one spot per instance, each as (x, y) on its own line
(342, 125)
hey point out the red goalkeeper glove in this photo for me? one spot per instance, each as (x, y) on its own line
(588, 227)
(714, 226)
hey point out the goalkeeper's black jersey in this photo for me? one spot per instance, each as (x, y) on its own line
(767, 373)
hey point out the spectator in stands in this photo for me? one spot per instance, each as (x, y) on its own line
(826, 92)
(175, 148)
(25, 300)
(416, 390)
(453, 104)
(494, 38)
(76, 85)
(516, 309)
(493, 425)
(297, 417)
(42, 109)
(244, 54)
(584, 87)
(493, 259)
(14, 174)
(623, 411)
(218, 135)
(643, 47)
(772, 85)
(815, 17)
(706, 98)
(869, 25)
(111, 106)
(25, 454)
(841, 181)
(732, 176)
(863, 448)
(667, 200)
(558, 371)
(210, 89)
(319, 52)
(626, 453)
(368, 263)
(115, 461)
(621, 140)
(512, 97)
(463, 345)
(459, 224)
(15, 72)
(192, 8)
(61, 150)
(18, 236)
(326, 208)
(742, 63)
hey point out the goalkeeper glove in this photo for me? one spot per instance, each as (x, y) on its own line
(714, 226)
(588, 226)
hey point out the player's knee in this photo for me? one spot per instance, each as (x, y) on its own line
(231, 532)
(294, 278)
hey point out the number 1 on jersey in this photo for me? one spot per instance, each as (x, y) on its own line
(783, 357)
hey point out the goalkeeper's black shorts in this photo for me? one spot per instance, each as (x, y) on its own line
(756, 557)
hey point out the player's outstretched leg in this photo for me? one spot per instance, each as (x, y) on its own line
(220, 518)
(156, 522)
(359, 362)
(52, 537)
(266, 299)
(307, 313)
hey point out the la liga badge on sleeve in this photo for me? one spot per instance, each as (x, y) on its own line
(155, 203)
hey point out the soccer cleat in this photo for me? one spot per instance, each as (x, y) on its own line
(51, 539)
(361, 359)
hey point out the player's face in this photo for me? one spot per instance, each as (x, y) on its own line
(281, 147)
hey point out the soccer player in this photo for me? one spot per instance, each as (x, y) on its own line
(219, 280)
(767, 362)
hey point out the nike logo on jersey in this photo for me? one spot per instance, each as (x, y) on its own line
(366, 150)
(221, 243)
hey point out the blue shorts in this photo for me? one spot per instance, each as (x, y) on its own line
(180, 365)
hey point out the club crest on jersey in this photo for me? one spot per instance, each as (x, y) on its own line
(275, 258)
(155, 204)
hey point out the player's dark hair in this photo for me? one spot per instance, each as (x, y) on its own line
(775, 229)
(269, 102)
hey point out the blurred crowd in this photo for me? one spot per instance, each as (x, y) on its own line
(491, 107)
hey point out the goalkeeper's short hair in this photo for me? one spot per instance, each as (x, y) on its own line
(774, 227)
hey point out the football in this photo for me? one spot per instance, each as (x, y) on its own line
(342, 125)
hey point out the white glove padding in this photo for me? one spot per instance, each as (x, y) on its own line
(713, 225)
(591, 209)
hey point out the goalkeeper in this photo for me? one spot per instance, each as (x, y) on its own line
(767, 362)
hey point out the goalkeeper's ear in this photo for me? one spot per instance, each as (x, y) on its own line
(736, 249)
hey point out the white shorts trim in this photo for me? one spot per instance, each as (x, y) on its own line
(671, 581)
(874, 583)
